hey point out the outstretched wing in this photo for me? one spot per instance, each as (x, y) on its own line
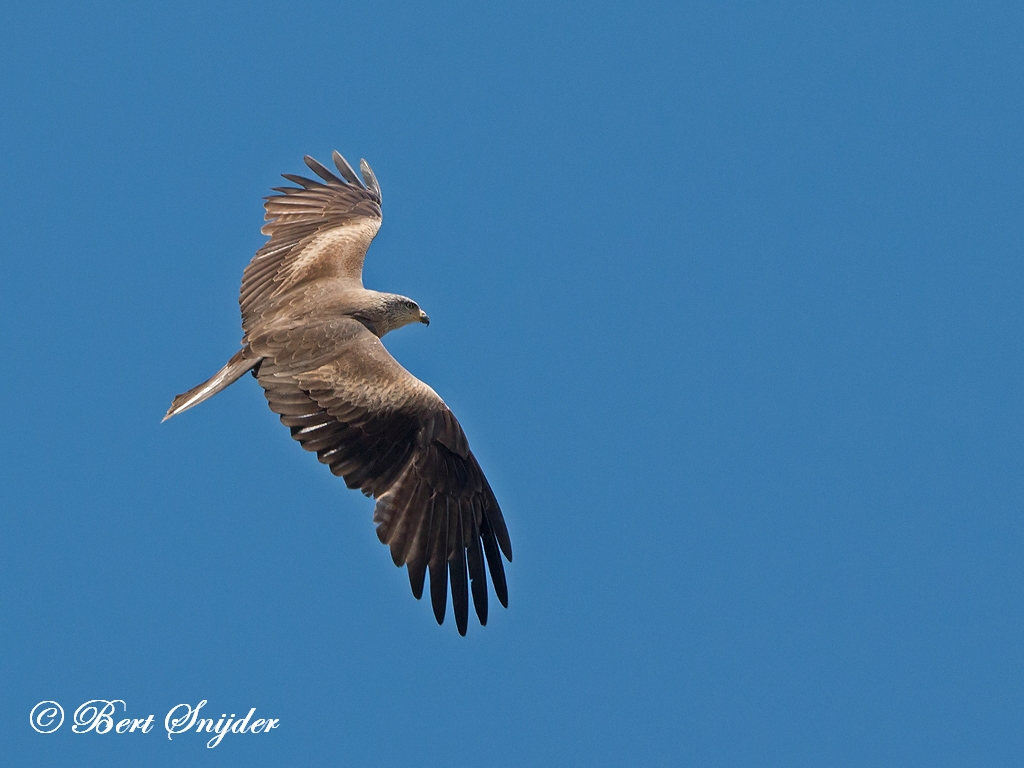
(317, 229)
(390, 435)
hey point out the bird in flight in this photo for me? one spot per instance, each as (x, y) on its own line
(312, 338)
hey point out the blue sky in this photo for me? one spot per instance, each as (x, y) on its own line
(726, 296)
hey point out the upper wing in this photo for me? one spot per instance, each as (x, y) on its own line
(388, 434)
(316, 230)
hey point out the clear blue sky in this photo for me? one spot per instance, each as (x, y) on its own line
(728, 297)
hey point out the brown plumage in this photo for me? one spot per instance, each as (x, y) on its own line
(312, 339)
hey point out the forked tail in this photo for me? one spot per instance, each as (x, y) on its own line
(229, 374)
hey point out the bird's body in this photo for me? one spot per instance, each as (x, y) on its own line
(312, 339)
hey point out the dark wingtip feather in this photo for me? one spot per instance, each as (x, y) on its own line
(417, 575)
(439, 589)
(302, 181)
(321, 171)
(495, 520)
(460, 589)
(371, 178)
(478, 580)
(494, 565)
(345, 169)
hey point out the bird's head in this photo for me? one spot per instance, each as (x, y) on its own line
(410, 312)
(399, 311)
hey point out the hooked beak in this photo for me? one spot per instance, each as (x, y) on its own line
(423, 318)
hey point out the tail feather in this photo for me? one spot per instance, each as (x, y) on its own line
(229, 374)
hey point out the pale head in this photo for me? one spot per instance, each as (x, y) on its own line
(388, 311)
